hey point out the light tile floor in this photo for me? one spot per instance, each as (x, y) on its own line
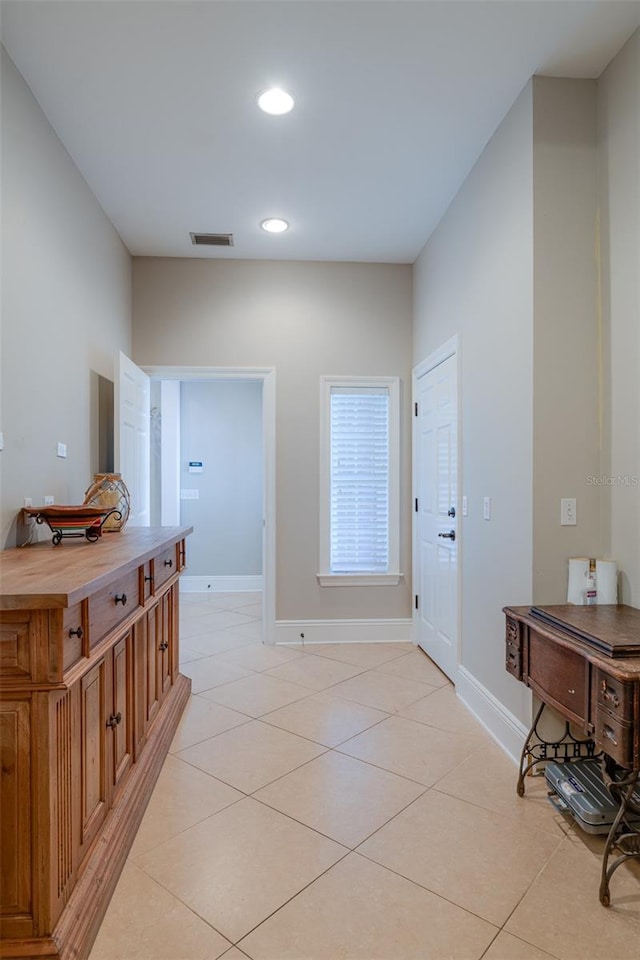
(339, 803)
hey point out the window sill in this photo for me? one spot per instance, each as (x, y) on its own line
(359, 579)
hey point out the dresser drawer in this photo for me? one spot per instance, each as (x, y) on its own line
(559, 676)
(112, 605)
(615, 696)
(73, 635)
(147, 580)
(165, 565)
(615, 737)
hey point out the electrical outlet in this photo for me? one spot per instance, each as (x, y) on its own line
(49, 501)
(28, 502)
(62, 450)
(568, 512)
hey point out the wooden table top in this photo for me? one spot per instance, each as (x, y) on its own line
(42, 576)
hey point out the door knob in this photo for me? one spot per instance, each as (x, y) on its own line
(448, 536)
(451, 512)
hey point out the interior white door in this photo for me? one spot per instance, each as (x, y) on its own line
(436, 557)
(132, 451)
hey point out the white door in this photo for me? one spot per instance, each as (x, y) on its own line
(436, 555)
(132, 437)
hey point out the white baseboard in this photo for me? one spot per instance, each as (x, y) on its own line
(343, 631)
(508, 732)
(220, 584)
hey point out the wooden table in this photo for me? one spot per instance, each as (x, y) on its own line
(585, 662)
(90, 697)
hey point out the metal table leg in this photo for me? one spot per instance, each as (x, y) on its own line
(622, 834)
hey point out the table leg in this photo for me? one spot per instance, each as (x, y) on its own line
(628, 842)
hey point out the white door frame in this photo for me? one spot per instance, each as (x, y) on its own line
(267, 376)
(131, 384)
(451, 348)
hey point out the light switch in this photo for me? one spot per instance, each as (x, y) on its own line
(568, 512)
(486, 508)
(49, 501)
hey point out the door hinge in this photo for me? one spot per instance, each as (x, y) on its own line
(416, 601)
(415, 409)
(416, 504)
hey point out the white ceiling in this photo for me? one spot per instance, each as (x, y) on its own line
(155, 102)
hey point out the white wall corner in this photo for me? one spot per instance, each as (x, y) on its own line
(508, 732)
(343, 631)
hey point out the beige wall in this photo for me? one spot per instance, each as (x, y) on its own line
(550, 386)
(619, 159)
(567, 441)
(66, 309)
(474, 278)
(306, 320)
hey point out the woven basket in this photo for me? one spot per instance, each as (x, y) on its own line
(110, 490)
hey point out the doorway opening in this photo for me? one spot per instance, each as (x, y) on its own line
(213, 468)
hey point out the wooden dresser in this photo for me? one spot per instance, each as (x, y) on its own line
(90, 697)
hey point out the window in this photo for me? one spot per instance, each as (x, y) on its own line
(359, 512)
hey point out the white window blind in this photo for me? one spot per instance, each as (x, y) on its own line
(359, 480)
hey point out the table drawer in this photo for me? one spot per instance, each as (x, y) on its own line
(165, 565)
(559, 675)
(112, 605)
(615, 737)
(615, 696)
(513, 649)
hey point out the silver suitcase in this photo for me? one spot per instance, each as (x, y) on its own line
(578, 788)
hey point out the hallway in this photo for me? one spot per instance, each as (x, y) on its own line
(339, 803)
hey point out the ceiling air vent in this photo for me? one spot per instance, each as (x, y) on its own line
(212, 239)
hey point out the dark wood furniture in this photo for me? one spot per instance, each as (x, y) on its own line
(90, 697)
(584, 662)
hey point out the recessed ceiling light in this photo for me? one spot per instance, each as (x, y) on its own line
(275, 101)
(274, 225)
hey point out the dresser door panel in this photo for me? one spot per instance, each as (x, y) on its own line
(165, 647)
(15, 822)
(94, 731)
(154, 635)
(121, 724)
